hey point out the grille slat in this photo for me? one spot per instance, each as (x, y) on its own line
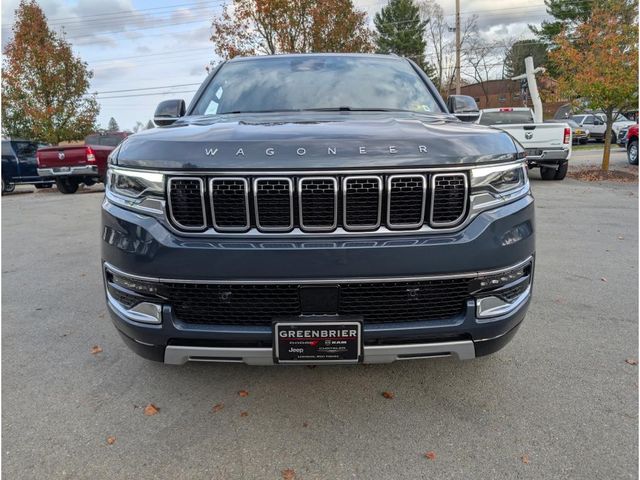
(186, 195)
(384, 302)
(230, 204)
(406, 201)
(448, 198)
(362, 202)
(318, 204)
(273, 199)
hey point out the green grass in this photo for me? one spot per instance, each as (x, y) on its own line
(590, 146)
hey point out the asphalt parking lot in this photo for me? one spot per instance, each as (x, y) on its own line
(559, 401)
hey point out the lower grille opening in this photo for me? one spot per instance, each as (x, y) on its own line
(383, 302)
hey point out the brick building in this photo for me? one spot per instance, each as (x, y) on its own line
(508, 93)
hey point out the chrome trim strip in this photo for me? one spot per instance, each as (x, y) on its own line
(497, 311)
(389, 195)
(330, 228)
(178, 355)
(345, 198)
(433, 193)
(283, 228)
(331, 171)
(136, 315)
(117, 271)
(202, 203)
(247, 224)
(80, 170)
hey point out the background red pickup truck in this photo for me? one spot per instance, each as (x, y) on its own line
(72, 165)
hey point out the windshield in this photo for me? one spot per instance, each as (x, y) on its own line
(316, 83)
(506, 117)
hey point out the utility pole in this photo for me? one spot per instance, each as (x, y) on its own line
(457, 47)
(530, 75)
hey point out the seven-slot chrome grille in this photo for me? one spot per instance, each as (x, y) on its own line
(398, 201)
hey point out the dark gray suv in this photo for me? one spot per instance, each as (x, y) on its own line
(316, 209)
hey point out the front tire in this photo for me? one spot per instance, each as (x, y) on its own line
(67, 185)
(632, 152)
(8, 187)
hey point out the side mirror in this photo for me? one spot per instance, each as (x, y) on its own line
(464, 107)
(168, 112)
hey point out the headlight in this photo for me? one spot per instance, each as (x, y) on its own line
(497, 184)
(136, 189)
(500, 178)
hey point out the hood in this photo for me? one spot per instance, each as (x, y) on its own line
(314, 140)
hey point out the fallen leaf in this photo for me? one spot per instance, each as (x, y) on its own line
(388, 395)
(631, 361)
(603, 279)
(96, 349)
(243, 393)
(217, 407)
(305, 424)
(244, 414)
(111, 440)
(150, 410)
(431, 455)
(525, 459)
(288, 474)
(620, 237)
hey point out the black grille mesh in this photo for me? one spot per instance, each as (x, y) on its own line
(406, 200)
(385, 302)
(362, 197)
(273, 203)
(449, 198)
(318, 203)
(186, 202)
(229, 202)
(510, 294)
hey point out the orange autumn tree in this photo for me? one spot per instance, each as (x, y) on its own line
(255, 27)
(44, 85)
(598, 61)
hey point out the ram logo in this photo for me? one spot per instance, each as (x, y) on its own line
(61, 155)
(528, 135)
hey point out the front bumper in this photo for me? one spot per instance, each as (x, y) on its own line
(83, 170)
(139, 245)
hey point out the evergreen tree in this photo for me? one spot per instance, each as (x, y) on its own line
(514, 59)
(566, 14)
(400, 30)
(113, 125)
(150, 124)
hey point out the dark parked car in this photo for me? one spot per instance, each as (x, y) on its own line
(316, 209)
(19, 165)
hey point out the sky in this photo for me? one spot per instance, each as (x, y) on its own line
(132, 45)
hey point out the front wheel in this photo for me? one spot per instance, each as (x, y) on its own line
(632, 152)
(8, 187)
(67, 185)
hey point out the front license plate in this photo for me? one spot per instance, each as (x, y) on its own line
(317, 342)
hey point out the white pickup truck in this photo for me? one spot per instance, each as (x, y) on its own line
(548, 145)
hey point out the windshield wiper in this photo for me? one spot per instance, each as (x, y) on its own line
(258, 111)
(350, 109)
